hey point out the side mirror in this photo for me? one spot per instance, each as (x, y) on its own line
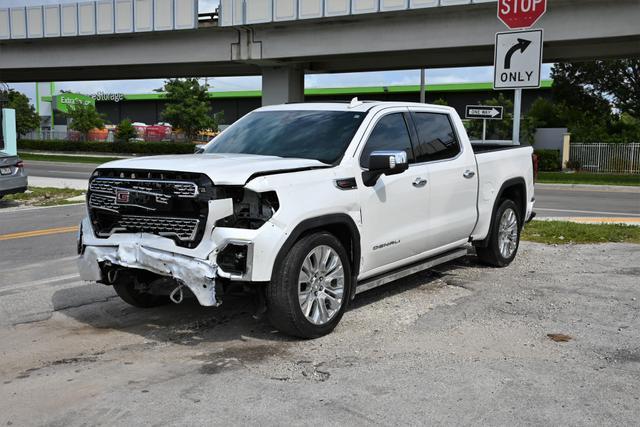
(199, 149)
(384, 163)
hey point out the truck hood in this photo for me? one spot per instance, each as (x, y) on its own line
(226, 169)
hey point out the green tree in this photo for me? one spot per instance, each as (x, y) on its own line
(26, 117)
(125, 131)
(84, 118)
(441, 101)
(188, 107)
(599, 85)
(600, 100)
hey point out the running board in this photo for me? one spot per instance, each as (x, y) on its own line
(374, 282)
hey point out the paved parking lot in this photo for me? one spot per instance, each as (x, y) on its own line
(460, 345)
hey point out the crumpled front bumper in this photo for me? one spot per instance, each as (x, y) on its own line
(198, 275)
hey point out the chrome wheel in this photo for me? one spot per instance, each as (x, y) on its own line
(321, 285)
(508, 233)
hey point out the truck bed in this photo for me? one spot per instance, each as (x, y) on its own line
(479, 147)
(499, 164)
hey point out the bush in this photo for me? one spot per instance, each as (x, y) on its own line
(125, 131)
(108, 147)
(549, 160)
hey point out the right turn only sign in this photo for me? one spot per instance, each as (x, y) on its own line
(518, 59)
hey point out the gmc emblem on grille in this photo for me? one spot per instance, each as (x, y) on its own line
(122, 196)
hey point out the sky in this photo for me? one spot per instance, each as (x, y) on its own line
(379, 78)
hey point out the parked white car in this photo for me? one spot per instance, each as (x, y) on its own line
(307, 205)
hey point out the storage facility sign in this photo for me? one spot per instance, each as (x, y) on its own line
(65, 101)
(518, 59)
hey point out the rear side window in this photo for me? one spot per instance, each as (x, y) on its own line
(436, 138)
(390, 133)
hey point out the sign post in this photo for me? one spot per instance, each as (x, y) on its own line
(484, 113)
(515, 64)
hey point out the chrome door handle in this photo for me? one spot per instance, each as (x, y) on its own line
(469, 174)
(419, 182)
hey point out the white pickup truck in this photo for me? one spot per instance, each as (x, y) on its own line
(306, 205)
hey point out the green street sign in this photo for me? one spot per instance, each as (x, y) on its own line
(63, 101)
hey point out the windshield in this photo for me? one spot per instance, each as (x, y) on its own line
(318, 135)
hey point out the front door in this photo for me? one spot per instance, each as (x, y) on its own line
(394, 210)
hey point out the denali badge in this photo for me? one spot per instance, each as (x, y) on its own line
(122, 197)
(384, 245)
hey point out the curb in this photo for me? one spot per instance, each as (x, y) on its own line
(76, 184)
(590, 187)
(78, 154)
(592, 220)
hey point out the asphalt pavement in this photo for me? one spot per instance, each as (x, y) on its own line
(59, 169)
(461, 345)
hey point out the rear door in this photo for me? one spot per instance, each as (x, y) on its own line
(452, 175)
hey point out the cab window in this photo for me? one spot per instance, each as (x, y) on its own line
(389, 134)
(436, 137)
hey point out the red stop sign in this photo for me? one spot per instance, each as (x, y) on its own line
(521, 13)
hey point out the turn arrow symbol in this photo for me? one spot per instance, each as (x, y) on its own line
(521, 46)
(494, 112)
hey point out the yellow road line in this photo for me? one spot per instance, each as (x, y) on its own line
(36, 233)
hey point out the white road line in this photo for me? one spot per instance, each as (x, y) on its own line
(40, 282)
(621, 214)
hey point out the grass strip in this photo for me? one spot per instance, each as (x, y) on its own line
(562, 232)
(43, 196)
(66, 159)
(588, 178)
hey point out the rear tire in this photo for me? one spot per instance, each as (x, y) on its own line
(504, 239)
(310, 289)
(128, 293)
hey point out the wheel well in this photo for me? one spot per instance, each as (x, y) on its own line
(340, 225)
(517, 193)
(342, 233)
(514, 190)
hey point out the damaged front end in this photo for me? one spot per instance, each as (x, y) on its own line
(156, 229)
(103, 264)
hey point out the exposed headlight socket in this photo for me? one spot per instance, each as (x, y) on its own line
(233, 259)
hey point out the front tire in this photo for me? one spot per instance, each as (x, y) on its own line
(126, 290)
(310, 289)
(504, 240)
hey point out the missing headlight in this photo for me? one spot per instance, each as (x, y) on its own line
(250, 209)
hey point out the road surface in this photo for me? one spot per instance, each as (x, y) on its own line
(462, 345)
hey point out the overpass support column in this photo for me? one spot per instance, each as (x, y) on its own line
(282, 84)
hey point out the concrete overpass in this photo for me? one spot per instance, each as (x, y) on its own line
(282, 52)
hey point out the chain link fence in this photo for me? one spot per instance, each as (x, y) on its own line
(605, 158)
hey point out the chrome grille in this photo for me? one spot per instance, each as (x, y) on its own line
(100, 201)
(184, 229)
(169, 204)
(172, 188)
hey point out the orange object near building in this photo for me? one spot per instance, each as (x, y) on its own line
(98, 134)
